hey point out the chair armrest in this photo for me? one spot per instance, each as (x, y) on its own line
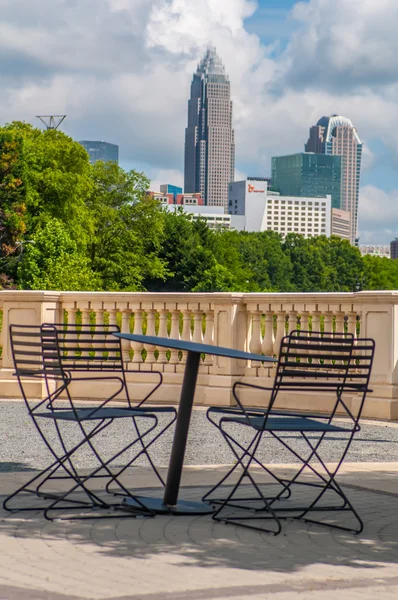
(248, 412)
(152, 391)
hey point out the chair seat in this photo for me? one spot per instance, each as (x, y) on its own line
(155, 409)
(90, 414)
(287, 424)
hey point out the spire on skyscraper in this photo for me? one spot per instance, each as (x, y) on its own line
(211, 64)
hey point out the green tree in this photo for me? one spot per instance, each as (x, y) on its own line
(128, 229)
(263, 255)
(380, 273)
(183, 252)
(12, 203)
(52, 261)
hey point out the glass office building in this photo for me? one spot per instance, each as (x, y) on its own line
(101, 151)
(308, 175)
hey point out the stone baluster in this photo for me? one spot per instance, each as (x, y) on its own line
(352, 324)
(175, 334)
(112, 315)
(137, 346)
(280, 330)
(316, 321)
(328, 323)
(255, 345)
(291, 321)
(151, 331)
(268, 340)
(72, 316)
(85, 316)
(70, 347)
(126, 345)
(100, 318)
(304, 320)
(197, 327)
(100, 324)
(163, 315)
(186, 328)
(209, 335)
(85, 336)
(304, 324)
(340, 323)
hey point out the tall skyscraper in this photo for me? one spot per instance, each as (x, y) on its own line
(209, 137)
(101, 151)
(308, 174)
(337, 135)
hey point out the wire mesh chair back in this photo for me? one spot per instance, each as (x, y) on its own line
(35, 356)
(328, 363)
(358, 375)
(313, 361)
(88, 347)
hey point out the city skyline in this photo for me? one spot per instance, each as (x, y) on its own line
(285, 67)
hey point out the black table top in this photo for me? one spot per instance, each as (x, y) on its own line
(194, 347)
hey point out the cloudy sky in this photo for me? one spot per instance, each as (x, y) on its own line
(121, 71)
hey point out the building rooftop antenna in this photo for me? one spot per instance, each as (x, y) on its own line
(51, 121)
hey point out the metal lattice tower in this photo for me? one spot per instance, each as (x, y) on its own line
(51, 121)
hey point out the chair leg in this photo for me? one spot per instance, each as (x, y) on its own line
(48, 475)
(97, 502)
(326, 483)
(144, 452)
(233, 444)
(249, 521)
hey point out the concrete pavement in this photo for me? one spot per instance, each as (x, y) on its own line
(194, 558)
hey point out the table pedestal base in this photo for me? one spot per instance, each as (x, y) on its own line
(183, 507)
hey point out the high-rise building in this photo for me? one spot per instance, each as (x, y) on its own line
(394, 249)
(209, 137)
(308, 174)
(337, 135)
(101, 151)
(341, 220)
(166, 188)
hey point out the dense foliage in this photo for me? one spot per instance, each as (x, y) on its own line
(65, 224)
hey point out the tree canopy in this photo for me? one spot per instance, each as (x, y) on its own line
(67, 224)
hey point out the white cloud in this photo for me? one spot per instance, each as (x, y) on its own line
(172, 176)
(378, 215)
(344, 44)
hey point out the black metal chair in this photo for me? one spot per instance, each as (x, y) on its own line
(46, 353)
(309, 362)
(86, 349)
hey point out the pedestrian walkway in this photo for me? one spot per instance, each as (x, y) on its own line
(193, 558)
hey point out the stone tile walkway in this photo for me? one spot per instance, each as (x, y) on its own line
(194, 558)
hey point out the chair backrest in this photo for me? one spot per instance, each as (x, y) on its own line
(324, 362)
(35, 356)
(358, 376)
(88, 347)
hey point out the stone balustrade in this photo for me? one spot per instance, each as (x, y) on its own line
(253, 322)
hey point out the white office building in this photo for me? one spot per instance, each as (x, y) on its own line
(214, 216)
(292, 214)
(253, 208)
